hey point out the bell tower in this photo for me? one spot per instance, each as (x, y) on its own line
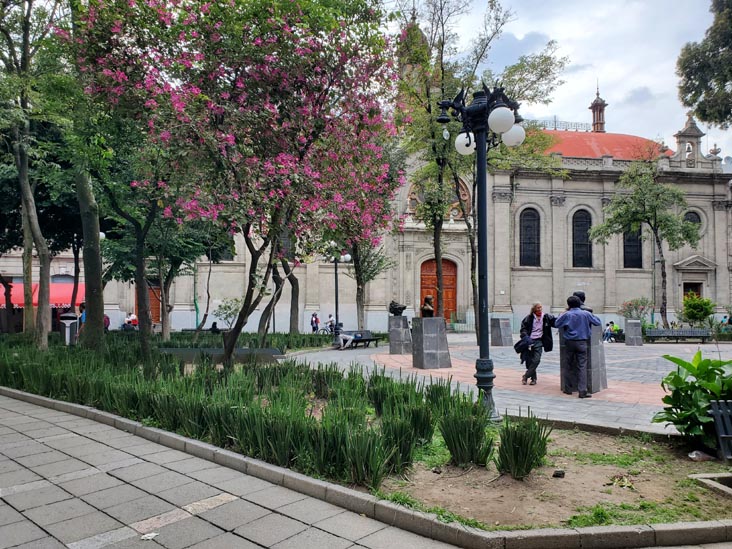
(598, 113)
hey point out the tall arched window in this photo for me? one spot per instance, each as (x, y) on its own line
(581, 245)
(529, 238)
(632, 250)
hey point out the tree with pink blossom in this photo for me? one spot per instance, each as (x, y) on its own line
(253, 90)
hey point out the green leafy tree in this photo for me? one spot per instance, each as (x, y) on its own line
(697, 309)
(644, 201)
(368, 263)
(705, 70)
(228, 310)
(431, 71)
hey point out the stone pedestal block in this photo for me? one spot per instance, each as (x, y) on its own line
(596, 372)
(633, 333)
(501, 332)
(429, 344)
(400, 336)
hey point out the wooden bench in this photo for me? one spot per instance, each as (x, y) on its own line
(216, 355)
(721, 411)
(364, 337)
(682, 333)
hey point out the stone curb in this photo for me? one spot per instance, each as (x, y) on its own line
(423, 524)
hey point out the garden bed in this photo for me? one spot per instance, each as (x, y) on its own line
(385, 436)
(607, 480)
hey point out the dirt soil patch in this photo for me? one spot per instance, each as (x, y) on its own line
(607, 480)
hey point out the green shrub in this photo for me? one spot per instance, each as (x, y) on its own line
(523, 445)
(696, 309)
(463, 427)
(690, 389)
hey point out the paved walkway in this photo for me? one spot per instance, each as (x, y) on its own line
(67, 481)
(634, 377)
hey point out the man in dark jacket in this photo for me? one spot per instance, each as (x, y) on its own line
(537, 327)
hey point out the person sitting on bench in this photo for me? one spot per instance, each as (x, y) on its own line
(346, 340)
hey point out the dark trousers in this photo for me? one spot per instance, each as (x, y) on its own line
(577, 358)
(533, 359)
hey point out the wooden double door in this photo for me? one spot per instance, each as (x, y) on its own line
(428, 285)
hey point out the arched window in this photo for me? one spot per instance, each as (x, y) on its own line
(692, 217)
(529, 238)
(581, 245)
(632, 250)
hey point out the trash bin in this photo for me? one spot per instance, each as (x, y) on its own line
(70, 327)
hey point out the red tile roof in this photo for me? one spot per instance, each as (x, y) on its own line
(596, 145)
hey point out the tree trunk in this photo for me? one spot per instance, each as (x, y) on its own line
(21, 136)
(294, 297)
(360, 289)
(437, 239)
(8, 288)
(268, 312)
(663, 309)
(93, 334)
(77, 272)
(165, 309)
(29, 318)
(143, 299)
(208, 301)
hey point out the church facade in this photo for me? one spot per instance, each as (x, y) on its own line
(538, 246)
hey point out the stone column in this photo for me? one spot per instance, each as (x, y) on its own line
(557, 229)
(400, 336)
(429, 344)
(721, 274)
(612, 252)
(502, 241)
(596, 372)
(633, 333)
(501, 332)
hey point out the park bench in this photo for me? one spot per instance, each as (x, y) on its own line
(364, 337)
(680, 333)
(190, 355)
(721, 411)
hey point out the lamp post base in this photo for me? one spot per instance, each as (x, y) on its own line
(485, 376)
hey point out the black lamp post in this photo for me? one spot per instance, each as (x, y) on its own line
(491, 118)
(336, 259)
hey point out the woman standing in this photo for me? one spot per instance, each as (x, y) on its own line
(537, 327)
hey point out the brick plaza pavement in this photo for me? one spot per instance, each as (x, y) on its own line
(634, 377)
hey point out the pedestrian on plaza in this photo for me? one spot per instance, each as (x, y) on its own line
(581, 296)
(537, 327)
(577, 325)
(314, 322)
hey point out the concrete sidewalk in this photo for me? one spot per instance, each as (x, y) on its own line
(634, 377)
(74, 482)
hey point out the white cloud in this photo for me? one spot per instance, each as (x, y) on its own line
(629, 46)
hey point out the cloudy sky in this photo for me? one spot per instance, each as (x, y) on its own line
(629, 46)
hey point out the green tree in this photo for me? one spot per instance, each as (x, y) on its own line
(644, 201)
(431, 71)
(705, 70)
(697, 309)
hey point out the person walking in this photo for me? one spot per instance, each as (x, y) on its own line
(576, 324)
(314, 322)
(537, 327)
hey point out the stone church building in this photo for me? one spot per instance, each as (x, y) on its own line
(538, 242)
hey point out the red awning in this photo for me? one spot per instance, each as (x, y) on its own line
(60, 295)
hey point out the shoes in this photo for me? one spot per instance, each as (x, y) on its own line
(523, 380)
(567, 392)
(585, 395)
(532, 382)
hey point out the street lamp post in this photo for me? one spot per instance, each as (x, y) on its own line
(336, 259)
(491, 118)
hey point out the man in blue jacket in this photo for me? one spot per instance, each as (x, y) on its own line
(577, 326)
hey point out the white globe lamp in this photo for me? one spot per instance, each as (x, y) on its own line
(514, 137)
(465, 143)
(501, 119)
